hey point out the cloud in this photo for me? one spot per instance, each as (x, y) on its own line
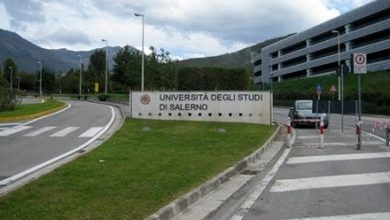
(66, 36)
(22, 11)
(186, 28)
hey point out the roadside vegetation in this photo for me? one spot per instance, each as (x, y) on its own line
(144, 166)
(28, 111)
(375, 90)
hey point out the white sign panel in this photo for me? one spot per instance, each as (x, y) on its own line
(245, 106)
(360, 63)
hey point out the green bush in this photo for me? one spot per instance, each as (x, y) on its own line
(103, 97)
(8, 99)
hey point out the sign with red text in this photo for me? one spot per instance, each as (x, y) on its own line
(238, 106)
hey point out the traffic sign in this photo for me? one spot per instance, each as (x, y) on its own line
(360, 63)
(333, 89)
(318, 89)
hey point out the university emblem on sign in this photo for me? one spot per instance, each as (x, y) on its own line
(145, 99)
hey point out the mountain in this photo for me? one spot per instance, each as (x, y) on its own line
(26, 54)
(239, 59)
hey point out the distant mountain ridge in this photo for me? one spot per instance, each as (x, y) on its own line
(238, 59)
(26, 54)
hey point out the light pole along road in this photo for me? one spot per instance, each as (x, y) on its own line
(28, 147)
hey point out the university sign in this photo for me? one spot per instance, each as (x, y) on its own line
(245, 106)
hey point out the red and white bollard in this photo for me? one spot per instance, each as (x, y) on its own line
(288, 132)
(322, 133)
(358, 134)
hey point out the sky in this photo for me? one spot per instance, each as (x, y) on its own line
(185, 28)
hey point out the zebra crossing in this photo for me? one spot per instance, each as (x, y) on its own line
(320, 176)
(49, 131)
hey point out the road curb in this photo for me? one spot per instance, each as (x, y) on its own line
(183, 202)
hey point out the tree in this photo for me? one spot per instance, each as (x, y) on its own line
(26, 81)
(9, 66)
(208, 79)
(96, 70)
(161, 70)
(69, 83)
(127, 69)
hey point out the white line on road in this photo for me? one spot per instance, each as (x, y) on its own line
(262, 185)
(366, 216)
(39, 131)
(18, 176)
(64, 132)
(337, 157)
(330, 181)
(91, 132)
(9, 124)
(13, 130)
(308, 137)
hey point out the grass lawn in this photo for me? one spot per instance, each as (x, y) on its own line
(27, 110)
(136, 172)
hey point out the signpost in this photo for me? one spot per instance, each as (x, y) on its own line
(319, 91)
(333, 90)
(359, 67)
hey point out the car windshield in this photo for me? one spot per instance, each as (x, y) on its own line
(304, 105)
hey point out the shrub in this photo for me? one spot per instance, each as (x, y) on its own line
(8, 99)
(103, 97)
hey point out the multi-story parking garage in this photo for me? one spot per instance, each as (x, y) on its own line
(319, 49)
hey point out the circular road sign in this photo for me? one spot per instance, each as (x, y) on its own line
(360, 59)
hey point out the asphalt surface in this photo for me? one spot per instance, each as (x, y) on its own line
(307, 181)
(23, 146)
(334, 182)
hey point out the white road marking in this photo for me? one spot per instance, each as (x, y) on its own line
(9, 124)
(336, 157)
(308, 137)
(20, 175)
(262, 185)
(64, 132)
(367, 216)
(39, 131)
(285, 185)
(13, 130)
(91, 132)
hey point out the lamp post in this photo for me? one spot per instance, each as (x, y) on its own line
(81, 76)
(12, 70)
(338, 60)
(40, 77)
(142, 71)
(105, 76)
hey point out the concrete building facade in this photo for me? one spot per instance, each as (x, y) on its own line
(319, 50)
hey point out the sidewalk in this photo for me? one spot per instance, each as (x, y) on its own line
(236, 187)
(207, 199)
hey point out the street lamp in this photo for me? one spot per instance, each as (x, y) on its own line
(105, 76)
(81, 76)
(40, 78)
(10, 67)
(338, 62)
(142, 73)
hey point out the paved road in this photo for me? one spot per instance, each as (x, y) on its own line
(23, 146)
(334, 182)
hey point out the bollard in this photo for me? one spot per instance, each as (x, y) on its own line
(387, 136)
(288, 132)
(322, 133)
(358, 133)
